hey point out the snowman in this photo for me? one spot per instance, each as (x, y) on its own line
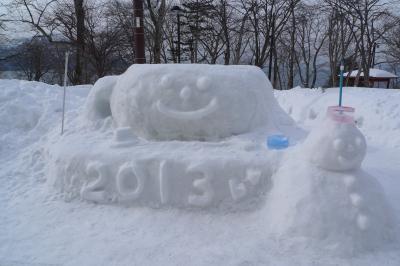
(321, 197)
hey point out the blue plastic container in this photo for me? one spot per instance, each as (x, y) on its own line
(277, 142)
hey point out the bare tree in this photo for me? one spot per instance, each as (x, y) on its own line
(154, 25)
(392, 42)
(372, 20)
(310, 37)
(32, 58)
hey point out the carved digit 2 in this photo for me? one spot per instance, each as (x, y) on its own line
(125, 172)
(95, 191)
(203, 185)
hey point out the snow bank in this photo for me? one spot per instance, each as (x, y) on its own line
(304, 211)
(29, 110)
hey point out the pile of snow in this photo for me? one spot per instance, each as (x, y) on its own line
(308, 206)
(25, 117)
(112, 157)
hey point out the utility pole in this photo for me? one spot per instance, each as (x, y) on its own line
(140, 57)
(178, 10)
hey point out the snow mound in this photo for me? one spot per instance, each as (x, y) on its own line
(185, 102)
(329, 202)
(199, 112)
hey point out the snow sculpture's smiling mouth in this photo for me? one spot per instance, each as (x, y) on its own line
(210, 108)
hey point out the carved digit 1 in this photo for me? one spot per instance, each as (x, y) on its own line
(95, 191)
(204, 186)
(126, 172)
(163, 183)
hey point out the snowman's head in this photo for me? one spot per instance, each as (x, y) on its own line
(337, 146)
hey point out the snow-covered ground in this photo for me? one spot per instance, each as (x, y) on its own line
(37, 227)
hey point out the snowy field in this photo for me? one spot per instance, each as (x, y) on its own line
(38, 227)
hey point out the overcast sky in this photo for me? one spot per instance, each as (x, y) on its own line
(17, 30)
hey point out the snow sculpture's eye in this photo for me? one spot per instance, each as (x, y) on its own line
(166, 82)
(203, 83)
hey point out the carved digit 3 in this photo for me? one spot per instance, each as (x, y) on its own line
(204, 186)
(126, 174)
(95, 191)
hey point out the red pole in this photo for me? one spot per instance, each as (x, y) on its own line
(140, 57)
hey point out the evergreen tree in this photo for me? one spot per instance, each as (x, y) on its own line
(196, 22)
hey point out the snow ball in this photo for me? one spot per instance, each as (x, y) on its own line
(98, 101)
(203, 83)
(336, 146)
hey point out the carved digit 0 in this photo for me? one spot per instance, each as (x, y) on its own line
(204, 186)
(95, 191)
(126, 174)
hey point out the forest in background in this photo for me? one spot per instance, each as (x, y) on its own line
(295, 42)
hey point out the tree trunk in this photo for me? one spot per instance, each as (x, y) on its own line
(80, 41)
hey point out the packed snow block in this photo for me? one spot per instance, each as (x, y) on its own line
(198, 176)
(186, 102)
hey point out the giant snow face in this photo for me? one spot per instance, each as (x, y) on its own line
(187, 102)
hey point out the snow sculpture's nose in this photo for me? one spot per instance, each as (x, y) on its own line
(185, 93)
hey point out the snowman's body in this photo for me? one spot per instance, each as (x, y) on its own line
(320, 193)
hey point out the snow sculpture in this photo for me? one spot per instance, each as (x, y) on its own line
(179, 102)
(329, 201)
(199, 112)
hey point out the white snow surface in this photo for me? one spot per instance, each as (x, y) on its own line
(353, 226)
(373, 72)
